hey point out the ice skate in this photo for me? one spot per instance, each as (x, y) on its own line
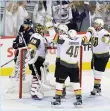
(57, 100)
(78, 102)
(96, 91)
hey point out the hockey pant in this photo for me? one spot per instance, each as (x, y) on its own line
(38, 64)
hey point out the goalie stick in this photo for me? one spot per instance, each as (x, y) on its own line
(8, 62)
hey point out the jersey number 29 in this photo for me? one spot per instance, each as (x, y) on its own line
(73, 51)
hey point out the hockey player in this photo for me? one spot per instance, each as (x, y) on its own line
(38, 52)
(69, 48)
(100, 39)
(25, 32)
(63, 30)
(21, 41)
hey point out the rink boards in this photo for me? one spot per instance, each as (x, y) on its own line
(7, 53)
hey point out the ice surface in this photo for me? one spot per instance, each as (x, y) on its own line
(95, 103)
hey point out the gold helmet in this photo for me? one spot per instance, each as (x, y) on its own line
(40, 29)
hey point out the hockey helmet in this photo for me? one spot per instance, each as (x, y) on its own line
(28, 21)
(63, 28)
(99, 22)
(72, 33)
(39, 28)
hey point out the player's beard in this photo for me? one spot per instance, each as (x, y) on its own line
(26, 28)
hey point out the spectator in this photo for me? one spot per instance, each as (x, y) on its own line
(39, 13)
(83, 7)
(15, 12)
(66, 12)
(22, 13)
(107, 18)
(100, 11)
(9, 19)
(77, 17)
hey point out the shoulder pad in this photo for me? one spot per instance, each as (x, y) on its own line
(36, 35)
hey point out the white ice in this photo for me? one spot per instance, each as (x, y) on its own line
(95, 103)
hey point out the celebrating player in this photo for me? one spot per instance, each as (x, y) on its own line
(62, 33)
(100, 39)
(69, 48)
(38, 52)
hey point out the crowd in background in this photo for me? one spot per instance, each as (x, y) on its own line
(83, 13)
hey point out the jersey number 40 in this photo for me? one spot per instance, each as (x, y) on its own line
(73, 51)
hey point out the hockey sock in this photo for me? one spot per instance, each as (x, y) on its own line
(97, 78)
(58, 92)
(77, 92)
(59, 88)
(97, 82)
(77, 89)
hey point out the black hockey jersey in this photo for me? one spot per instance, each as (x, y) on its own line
(26, 34)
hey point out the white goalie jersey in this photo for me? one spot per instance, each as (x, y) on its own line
(69, 51)
(39, 41)
(99, 47)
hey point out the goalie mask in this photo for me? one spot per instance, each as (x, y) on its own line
(40, 29)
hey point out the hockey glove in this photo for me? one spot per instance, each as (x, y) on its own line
(21, 28)
(92, 31)
(15, 45)
(52, 44)
(106, 39)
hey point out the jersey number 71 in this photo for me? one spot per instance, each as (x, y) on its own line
(73, 51)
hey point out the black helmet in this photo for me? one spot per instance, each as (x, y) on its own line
(28, 21)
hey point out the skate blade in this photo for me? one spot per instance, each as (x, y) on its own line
(36, 98)
(56, 106)
(78, 106)
(98, 94)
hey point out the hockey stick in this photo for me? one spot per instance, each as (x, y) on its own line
(8, 62)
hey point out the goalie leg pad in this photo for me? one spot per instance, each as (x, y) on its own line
(36, 89)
